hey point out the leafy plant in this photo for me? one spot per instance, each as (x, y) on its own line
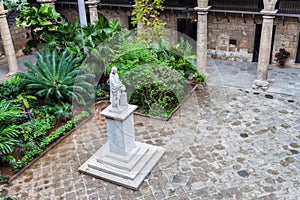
(10, 89)
(15, 5)
(40, 20)
(147, 13)
(9, 198)
(56, 78)
(281, 57)
(30, 155)
(4, 178)
(63, 112)
(9, 132)
(71, 36)
(24, 99)
(157, 89)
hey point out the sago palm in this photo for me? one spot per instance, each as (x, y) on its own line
(56, 78)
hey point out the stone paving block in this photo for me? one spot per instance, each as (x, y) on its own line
(209, 150)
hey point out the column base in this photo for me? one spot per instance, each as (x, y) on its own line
(260, 84)
(128, 171)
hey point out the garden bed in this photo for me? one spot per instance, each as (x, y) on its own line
(7, 170)
(173, 112)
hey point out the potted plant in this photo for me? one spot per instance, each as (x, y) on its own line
(281, 57)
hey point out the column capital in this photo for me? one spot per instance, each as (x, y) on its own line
(45, 1)
(92, 2)
(268, 12)
(202, 11)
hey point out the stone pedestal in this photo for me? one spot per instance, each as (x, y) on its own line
(122, 160)
(264, 51)
(49, 2)
(7, 42)
(202, 38)
(92, 4)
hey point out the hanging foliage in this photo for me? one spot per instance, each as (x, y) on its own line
(147, 13)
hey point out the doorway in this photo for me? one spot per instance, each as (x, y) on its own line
(257, 38)
(298, 52)
(187, 27)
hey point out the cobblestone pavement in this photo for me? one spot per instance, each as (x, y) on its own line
(242, 74)
(223, 143)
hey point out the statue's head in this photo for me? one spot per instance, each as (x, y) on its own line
(114, 70)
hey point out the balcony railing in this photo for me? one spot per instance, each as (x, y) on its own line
(236, 5)
(289, 6)
(181, 3)
(285, 7)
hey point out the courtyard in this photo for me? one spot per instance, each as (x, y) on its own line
(226, 141)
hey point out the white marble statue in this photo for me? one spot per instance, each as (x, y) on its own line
(117, 90)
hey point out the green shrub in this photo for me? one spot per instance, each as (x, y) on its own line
(10, 89)
(156, 89)
(9, 132)
(56, 78)
(63, 112)
(71, 36)
(30, 155)
(40, 20)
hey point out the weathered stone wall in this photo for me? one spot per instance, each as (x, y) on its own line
(19, 35)
(221, 29)
(70, 13)
(287, 37)
(240, 30)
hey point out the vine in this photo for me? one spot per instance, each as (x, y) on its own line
(147, 13)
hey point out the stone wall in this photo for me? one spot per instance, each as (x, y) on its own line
(19, 35)
(231, 37)
(287, 37)
(241, 29)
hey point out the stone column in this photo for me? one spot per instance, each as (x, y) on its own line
(92, 4)
(7, 42)
(49, 2)
(264, 51)
(202, 11)
(265, 45)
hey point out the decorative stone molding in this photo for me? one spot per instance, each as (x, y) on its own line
(93, 4)
(202, 3)
(269, 4)
(268, 12)
(202, 10)
(49, 2)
